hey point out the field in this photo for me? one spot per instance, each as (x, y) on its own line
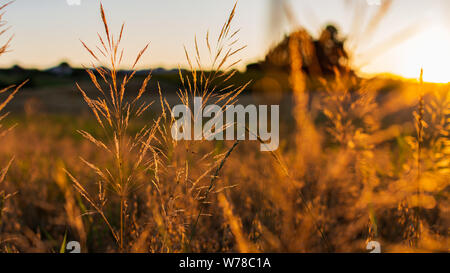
(359, 160)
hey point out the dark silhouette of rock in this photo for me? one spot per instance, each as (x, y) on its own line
(320, 57)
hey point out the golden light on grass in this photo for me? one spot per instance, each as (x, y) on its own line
(358, 161)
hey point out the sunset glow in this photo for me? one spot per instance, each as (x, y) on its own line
(429, 50)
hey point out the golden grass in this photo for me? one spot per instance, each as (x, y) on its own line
(350, 168)
(3, 49)
(113, 113)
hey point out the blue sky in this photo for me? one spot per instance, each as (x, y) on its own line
(48, 31)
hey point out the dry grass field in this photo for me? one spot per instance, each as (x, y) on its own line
(359, 160)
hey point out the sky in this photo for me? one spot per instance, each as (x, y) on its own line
(47, 32)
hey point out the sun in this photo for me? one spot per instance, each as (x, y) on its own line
(430, 50)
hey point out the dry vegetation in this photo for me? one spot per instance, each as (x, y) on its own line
(347, 173)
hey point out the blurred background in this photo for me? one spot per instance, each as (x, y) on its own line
(391, 39)
(47, 32)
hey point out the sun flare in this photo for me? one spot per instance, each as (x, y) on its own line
(429, 50)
